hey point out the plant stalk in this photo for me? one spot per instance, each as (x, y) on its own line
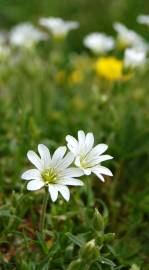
(43, 212)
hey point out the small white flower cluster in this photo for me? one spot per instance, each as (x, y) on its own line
(143, 19)
(136, 47)
(57, 26)
(134, 58)
(26, 35)
(99, 42)
(129, 38)
(54, 171)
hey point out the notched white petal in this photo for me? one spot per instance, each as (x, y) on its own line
(58, 154)
(89, 141)
(71, 182)
(34, 159)
(64, 192)
(99, 149)
(71, 172)
(77, 161)
(35, 185)
(105, 171)
(72, 144)
(65, 162)
(31, 174)
(81, 137)
(53, 192)
(99, 176)
(105, 157)
(102, 170)
(45, 154)
(87, 171)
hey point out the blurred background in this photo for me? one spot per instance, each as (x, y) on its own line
(96, 15)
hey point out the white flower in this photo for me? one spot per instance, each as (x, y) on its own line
(99, 42)
(52, 172)
(26, 35)
(87, 157)
(134, 57)
(129, 38)
(143, 19)
(57, 26)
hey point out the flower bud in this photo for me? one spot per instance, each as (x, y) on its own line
(98, 221)
(90, 251)
(75, 265)
(108, 237)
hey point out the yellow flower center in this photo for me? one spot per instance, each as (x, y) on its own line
(110, 68)
(83, 163)
(49, 176)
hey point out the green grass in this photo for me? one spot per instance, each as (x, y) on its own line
(36, 107)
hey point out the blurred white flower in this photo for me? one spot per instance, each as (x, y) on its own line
(87, 157)
(129, 38)
(57, 26)
(99, 42)
(134, 57)
(26, 35)
(52, 172)
(143, 19)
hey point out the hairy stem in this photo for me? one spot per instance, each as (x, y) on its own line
(43, 211)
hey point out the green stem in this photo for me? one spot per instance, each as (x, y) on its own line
(43, 211)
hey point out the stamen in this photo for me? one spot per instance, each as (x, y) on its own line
(84, 163)
(49, 176)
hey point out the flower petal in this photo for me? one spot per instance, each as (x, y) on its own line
(81, 138)
(94, 160)
(31, 174)
(89, 141)
(35, 160)
(99, 175)
(70, 182)
(64, 191)
(102, 170)
(77, 161)
(45, 154)
(104, 157)
(53, 192)
(87, 171)
(72, 144)
(58, 154)
(35, 185)
(105, 171)
(65, 162)
(98, 149)
(71, 172)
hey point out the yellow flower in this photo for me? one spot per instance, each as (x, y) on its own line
(109, 68)
(75, 77)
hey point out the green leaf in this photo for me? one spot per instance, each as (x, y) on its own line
(106, 261)
(75, 239)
